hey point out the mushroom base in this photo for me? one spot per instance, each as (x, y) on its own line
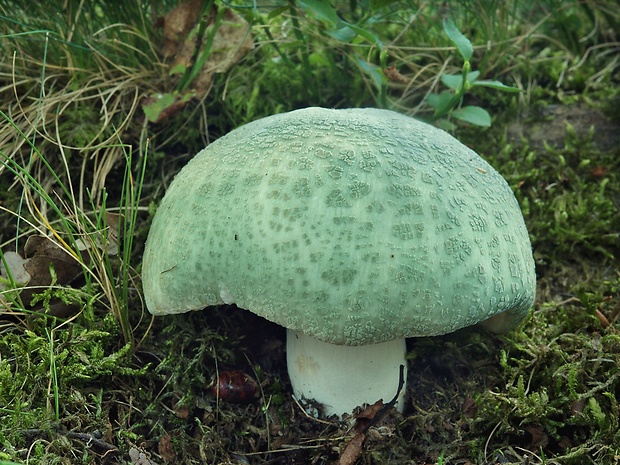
(342, 378)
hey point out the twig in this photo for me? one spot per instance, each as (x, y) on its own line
(90, 439)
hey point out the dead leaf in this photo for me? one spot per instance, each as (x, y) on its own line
(14, 274)
(185, 45)
(177, 23)
(602, 318)
(15, 264)
(540, 439)
(599, 171)
(165, 449)
(113, 221)
(231, 42)
(44, 253)
(394, 75)
(367, 416)
(363, 421)
(565, 443)
(107, 240)
(469, 408)
(182, 43)
(577, 406)
(181, 412)
(139, 458)
(186, 51)
(352, 450)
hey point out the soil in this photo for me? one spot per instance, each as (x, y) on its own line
(548, 125)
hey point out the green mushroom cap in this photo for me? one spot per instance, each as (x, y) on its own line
(353, 226)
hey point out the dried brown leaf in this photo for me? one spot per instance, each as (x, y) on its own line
(366, 416)
(183, 45)
(177, 23)
(539, 437)
(45, 253)
(138, 457)
(352, 450)
(231, 42)
(394, 75)
(469, 407)
(602, 318)
(113, 220)
(15, 264)
(42, 255)
(165, 448)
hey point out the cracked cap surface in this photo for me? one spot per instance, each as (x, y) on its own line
(353, 226)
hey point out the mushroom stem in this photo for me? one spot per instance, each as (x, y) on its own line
(344, 377)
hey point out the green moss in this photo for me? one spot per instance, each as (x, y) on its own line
(561, 384)
(567, 187)
(45, 370)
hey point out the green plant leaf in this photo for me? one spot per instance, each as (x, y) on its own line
(453, 81)
(472, 76)
(158, 104)
(375, 72)
(462, 43)
(277, 12)
(595, 410)
(338, 29)
(473, 115)
(178, 69)
(440, 102)
(366, 34)
(322, 10)
(343, 34)
(496, 85)
(445, 124)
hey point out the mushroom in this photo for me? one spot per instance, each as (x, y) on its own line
(354, 229)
